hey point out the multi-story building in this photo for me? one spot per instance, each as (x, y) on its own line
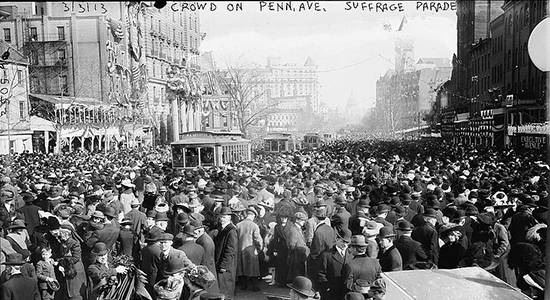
(404, 98)
(15, 129)
(496, 90)
(141, 60)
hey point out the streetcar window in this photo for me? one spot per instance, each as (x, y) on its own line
(207, 156)
(191, 157)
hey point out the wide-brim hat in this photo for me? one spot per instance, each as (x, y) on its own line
(126, 221)
(14, 259)
(98, 214)
(339, 199)
(301, 201)
(363, 203)
(201, 276)
(252, 210)
(197, 224)
(17, 224)
(302, 285)
(267, 204)
(110, 212)
(226, 211)
(162, 207)
(135, 202)
(372, 228)
(127, 183)
(99, 249)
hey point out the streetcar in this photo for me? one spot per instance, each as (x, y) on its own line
(279, 142)
(208, 149)
(312, 140)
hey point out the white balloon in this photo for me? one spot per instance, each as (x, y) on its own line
(539, 45)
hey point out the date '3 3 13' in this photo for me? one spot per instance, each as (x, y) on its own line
(84, 7)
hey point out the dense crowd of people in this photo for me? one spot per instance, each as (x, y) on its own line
(323, 222)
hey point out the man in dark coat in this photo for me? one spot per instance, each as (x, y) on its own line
(522, 221)
(226, 254)
(206, 242)
(427, 235)
(139, 219)
(357, 221)
(150, 254)
(110, 232)
(329, 276)
(18, 287)
(361, 266)
(324, 239)
(411, 251)
(389, 257)
(298, 251)
(29, 213)
(340, 220)
(194, 251)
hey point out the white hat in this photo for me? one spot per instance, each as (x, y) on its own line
(127, 183)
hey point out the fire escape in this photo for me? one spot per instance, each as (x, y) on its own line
(48, 56)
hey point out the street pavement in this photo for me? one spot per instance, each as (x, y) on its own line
(266, 290)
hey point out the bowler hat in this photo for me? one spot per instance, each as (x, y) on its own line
(152, 236)
(14, 259)
(151, 214)
(363, 203)
(344, 234)
(430, 212)
(358, 240)
(471, 210)
(53, 223)
(161, 216)
(302, 285)
(486, 219)
(404, 225)
(99, 249)
(174, 266)
(197, 224)
(339, 199)
(386, 232)
(382, 208)
(188, 230)
(459, 214)
(182, 218)
(320, 203)
(225, 211)
(372, 228)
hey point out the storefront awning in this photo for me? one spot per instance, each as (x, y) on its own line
(41, 124)
(66, 101)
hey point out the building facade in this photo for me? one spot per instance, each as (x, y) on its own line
(15, 129)
(497, 95)
(140, 60)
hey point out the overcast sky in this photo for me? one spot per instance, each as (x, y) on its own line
(345, 44)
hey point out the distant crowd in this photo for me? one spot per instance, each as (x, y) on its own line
(325, 223)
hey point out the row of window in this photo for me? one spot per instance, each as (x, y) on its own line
(33, 34)
(192, 25)
(6, 76)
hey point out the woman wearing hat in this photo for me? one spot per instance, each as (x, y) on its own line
(100, 272)
(19, 238)
(198, 279)
(67, 252)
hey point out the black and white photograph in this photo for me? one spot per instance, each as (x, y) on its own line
(274, 150)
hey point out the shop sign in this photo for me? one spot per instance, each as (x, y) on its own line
(532, 141)
(533, 128)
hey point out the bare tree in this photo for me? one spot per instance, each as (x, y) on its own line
(249, 98)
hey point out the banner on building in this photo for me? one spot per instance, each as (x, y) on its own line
(532, 141)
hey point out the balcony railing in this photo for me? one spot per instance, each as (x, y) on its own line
(49, 62)
(54, 37)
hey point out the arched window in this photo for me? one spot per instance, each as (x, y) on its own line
(525, 53)
(510, 24)
(509, 62)
(520, 23)
(516, 20)
(534, 11)
(515, 58)
(526, 19)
